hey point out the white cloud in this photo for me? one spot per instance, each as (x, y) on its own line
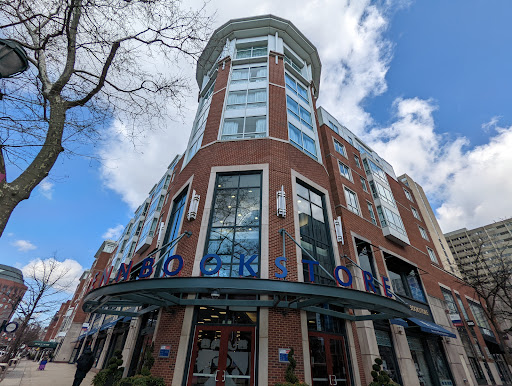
(354, 65)
(24, 245)
(67, 272)
(113, 233)
(46, 188)
(471, 186)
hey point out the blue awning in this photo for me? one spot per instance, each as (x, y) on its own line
(431, 328)
(110, 324)
(399, 322)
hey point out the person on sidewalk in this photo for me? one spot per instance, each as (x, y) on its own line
(83, 365)
(43, 363)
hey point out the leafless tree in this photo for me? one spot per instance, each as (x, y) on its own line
(48, 282)
(489, 273)
(91, 61)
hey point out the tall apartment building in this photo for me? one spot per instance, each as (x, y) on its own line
(492, 243)
(442, 254)
(279, 229)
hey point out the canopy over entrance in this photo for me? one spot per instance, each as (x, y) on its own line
(151, 294)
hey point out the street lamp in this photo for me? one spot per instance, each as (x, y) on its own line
(13, 58)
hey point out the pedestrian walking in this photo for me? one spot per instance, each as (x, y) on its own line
(43, 363)
(83, 365)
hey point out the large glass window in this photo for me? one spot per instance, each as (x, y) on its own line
(178, 207)
(235, 223)
(302, 140)
(366, 261)
(432, 255)
(379, 191)
(314, 233)
(251, 52)
(296, 87)
(249, 74)
(247, 99)
(387, 354)
(450, 302)
(244, 127)
(300, 121)
(404, 278)
(390, 219)
(461, 306)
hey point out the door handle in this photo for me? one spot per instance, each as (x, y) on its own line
(333, 380)
(224, 376)
(216, 372)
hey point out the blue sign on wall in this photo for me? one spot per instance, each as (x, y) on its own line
(165, 351)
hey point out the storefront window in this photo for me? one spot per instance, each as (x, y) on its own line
(387, 354)
(314, 233)
(420, 361)
(441, 367)
(235, 223)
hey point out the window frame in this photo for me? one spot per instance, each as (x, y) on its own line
(349, 171)
(338, 145)
(350, 207)
(372, 213)
(408, 194)
(423, 233)
(433, 257)
(415, 213)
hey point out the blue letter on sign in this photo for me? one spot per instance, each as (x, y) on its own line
(368, 281)
(205, 259)
(339, 279)
(386, 287)
(282, 267)
(124, 272)
(166, 265)
(311, 264)
(147, 267)
(247, 265)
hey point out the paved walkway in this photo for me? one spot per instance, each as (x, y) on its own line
(55, 374)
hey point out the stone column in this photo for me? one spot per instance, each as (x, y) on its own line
(105, 348)
(129, 344)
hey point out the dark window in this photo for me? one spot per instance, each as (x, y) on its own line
(235, 223)
(404, 278)
(387, 354)
(314, 233)
(367, 261)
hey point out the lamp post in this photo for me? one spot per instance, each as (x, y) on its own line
(13, 58)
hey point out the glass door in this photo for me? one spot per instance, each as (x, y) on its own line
(328, 360)
(223, 355)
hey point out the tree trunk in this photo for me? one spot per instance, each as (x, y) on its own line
(11, 194)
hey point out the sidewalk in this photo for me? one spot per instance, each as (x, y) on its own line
(55, 374)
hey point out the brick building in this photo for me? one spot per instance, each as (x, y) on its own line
(278, 228)
(12, 290)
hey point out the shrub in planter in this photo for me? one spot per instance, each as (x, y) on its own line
(380, 377)
(141, 380)
(112, 374)
(290, 377)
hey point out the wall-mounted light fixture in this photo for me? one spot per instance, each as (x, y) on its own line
(194, 205)
(339, 230)
(281, 202)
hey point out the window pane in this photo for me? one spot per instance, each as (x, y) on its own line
(302, 191)
(315, 198)
(305, 116)
(221, 241)
(303, 93)
(290, 83)
(240, 74)
(225, 208)
(293, 107)
(250, 180)
(415, 287)
(309, 145)
(227, 181)
(246, 241)
(255, 125)
(257, 73)
(295, 134)
(248, 207)
(233, 126)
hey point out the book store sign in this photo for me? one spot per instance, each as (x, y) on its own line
(342, 274)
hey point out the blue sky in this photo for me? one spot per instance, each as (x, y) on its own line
(427, 84)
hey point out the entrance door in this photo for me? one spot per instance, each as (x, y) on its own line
(328, 360)
(223, 355)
